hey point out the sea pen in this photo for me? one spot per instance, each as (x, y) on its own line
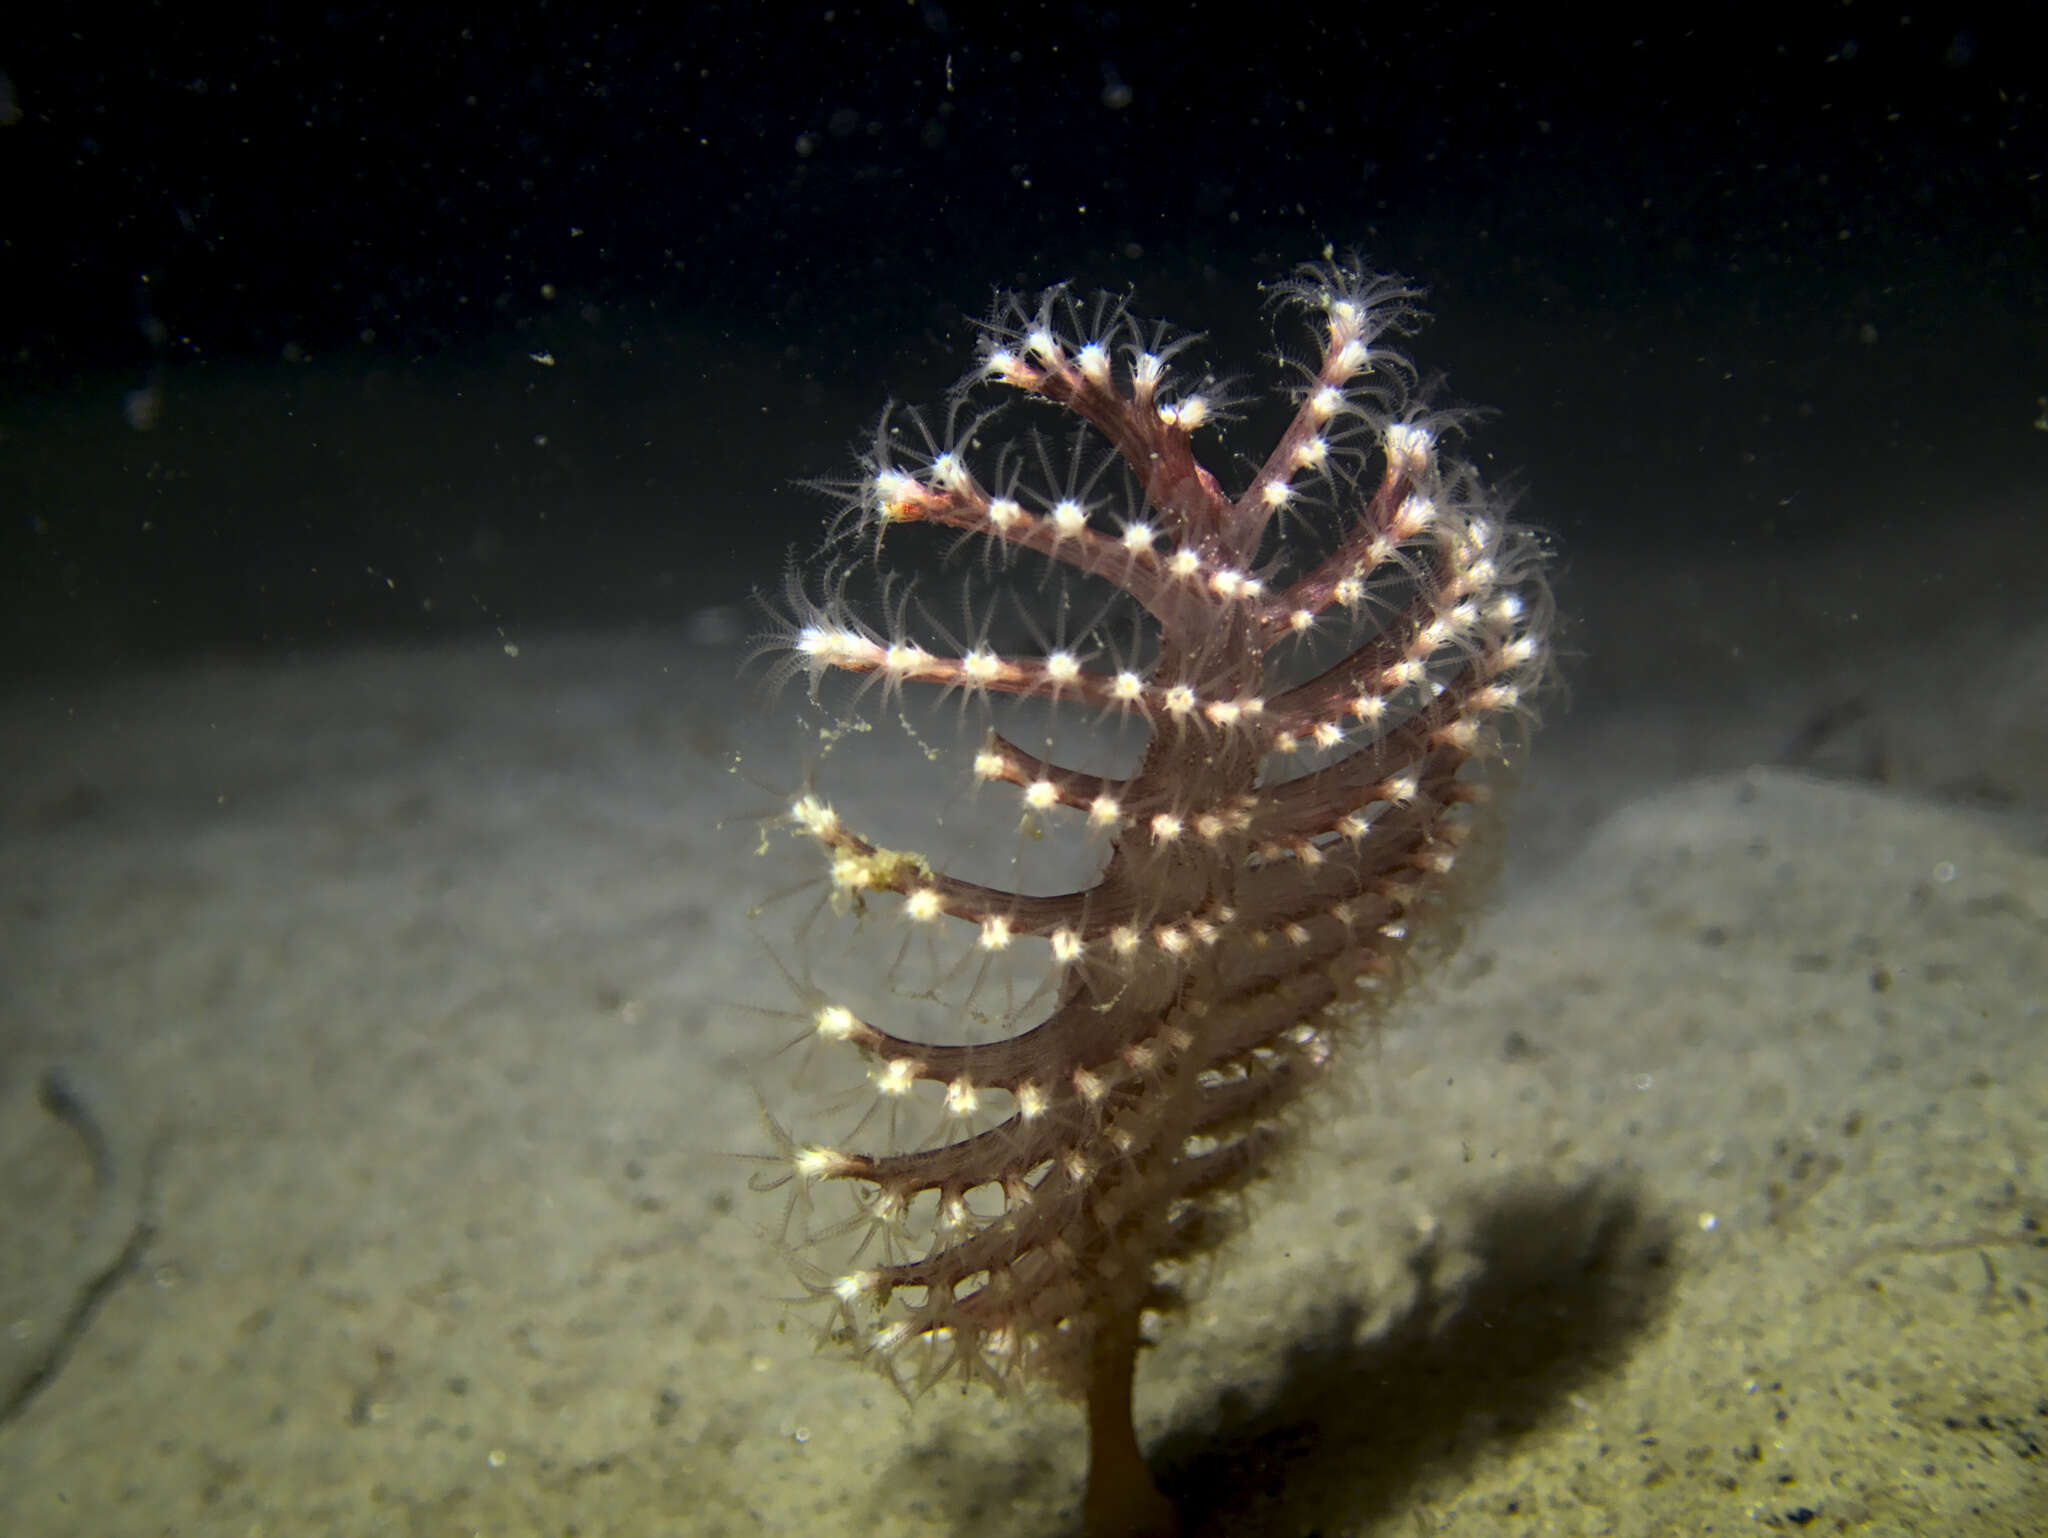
(1320, 663)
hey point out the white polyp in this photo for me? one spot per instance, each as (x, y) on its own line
(1276, 494)
(995, 933)
(1409, 446)
(1043, 345)
(1414, 515)
(1093, 361)
(1127, 686)
(1312, 451)
(836, 1022)
(981, 665)
(815, 1163)
(1062, 667)
(1326, 402)
(1066, 945)
(1003, 512)
(923, 904)
(1165, 827)
(830, 643)
(1180, 700)
(961, 1098)
(1104, 811)
(1184, 562)
(1068, 518)
(1041, 795)
(893, 488)
(814, 817)
(898, 1076)
(990, 765)
(1139, 537)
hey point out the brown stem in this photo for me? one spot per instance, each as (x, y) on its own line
(1122, 1501)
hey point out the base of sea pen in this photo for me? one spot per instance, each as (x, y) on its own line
(1121, 1501)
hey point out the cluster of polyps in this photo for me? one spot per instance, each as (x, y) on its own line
(1309, 720)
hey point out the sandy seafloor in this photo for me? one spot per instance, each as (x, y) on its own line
(1704, 1191)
